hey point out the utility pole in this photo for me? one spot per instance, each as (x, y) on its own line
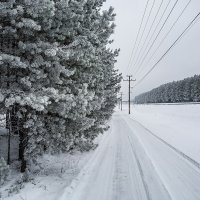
(121, 99)
(129, 92)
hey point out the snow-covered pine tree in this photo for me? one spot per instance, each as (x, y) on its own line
(195, 88)
(57, 73)
(186, 90)
(107, 79)
(31, 71)
(89, 39)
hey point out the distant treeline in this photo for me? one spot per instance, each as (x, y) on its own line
(187, 90)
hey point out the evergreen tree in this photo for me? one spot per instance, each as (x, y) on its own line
(187, 90)
(58, 78)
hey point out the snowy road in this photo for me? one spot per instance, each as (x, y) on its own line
(132, 164)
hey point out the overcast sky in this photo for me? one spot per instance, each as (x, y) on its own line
(184, 59)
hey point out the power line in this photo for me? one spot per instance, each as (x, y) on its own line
(193, 22)
(164, 11)
(138, 33)
(164, 38)
(154, 41)
(149, 31)
(144, 29)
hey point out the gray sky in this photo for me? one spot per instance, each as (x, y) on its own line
(183, 61)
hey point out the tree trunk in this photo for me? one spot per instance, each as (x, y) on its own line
(22, 146)
(23, 140)
(8, 126)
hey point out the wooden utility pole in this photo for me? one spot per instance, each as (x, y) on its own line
(129, 92)
(121, 99)
(119, 103)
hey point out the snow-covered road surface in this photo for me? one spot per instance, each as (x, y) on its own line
(116, 172)
(180, 175)
(132, 164)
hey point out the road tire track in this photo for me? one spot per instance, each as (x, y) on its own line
(141, 171)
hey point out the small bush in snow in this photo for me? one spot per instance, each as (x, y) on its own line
(16, 187)
(85, 145)
(26, 177)
(19, 183)
(4, 171)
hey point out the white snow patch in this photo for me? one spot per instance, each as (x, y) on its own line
(178, 125)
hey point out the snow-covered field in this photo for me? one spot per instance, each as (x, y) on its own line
(152, 154)
(178, 125)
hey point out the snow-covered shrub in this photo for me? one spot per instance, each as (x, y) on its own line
(20, 182)
(16, 187)
(26, 176)
(4, 171)
(85, 145)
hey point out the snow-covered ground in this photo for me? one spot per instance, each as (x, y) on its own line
(48, 183)
(119, 169)
(179, 125)
(134, 162)
(152, 154)
(179, 174)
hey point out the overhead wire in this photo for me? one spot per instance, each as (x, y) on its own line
(155, 29)
(138, 33)
(167, 34)
(151, 26)
(141, 61)
(145, 26)
(191, 24)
